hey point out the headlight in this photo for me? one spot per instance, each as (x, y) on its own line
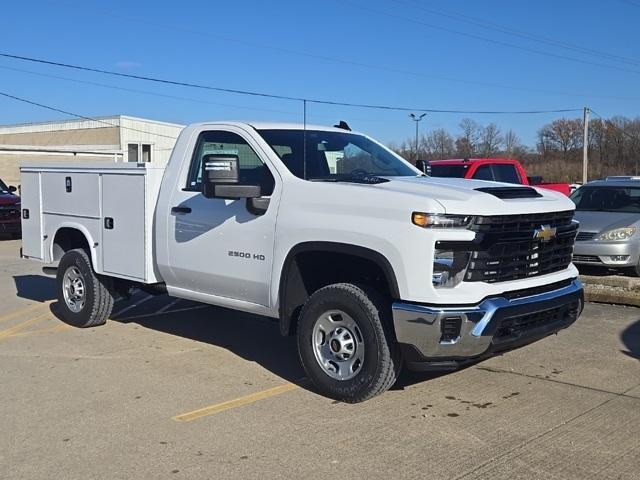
(449, 267)
(439, 220)
(617, 234)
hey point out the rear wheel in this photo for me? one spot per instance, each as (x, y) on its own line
(346, 344)
(85, 299)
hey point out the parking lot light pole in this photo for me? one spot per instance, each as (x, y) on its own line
(417, 118)
(585, 145)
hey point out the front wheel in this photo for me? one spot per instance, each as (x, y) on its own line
(346, 344)
(85, 299)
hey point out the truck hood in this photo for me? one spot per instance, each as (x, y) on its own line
(460, 196)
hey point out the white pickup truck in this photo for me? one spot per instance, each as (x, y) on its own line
(371, 263)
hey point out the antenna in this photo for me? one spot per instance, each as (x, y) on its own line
(304, 139)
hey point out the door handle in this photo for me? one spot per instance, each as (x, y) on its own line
(180, 210)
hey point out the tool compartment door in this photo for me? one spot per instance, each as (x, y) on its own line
(123, 225)
(31, 213)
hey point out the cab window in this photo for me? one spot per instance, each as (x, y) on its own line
(483, 173)
(251, 170)
(503, 172)
(499, 172)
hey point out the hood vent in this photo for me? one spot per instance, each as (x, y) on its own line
(506, 193)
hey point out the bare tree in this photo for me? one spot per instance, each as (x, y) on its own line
(438, 144)
(467, 142)
(491, 140)
(564, 135)
(512, 145)
(614, 147)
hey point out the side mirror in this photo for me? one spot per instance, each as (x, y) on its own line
(423, 166)
(220, 178)
(12, 189)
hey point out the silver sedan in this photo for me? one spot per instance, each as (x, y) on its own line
(609, 216)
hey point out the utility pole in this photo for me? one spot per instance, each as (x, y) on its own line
(585, 145)
(417, 118)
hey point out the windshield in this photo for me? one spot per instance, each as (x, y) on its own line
(3, 187)
(456, 171)
(334, 156)
(607, 199)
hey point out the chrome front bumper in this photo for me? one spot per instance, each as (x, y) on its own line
(496, 323)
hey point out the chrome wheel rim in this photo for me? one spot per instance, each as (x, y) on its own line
(74, 289)
(338, 345)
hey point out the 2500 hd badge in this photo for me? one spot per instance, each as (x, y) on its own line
(247, 255)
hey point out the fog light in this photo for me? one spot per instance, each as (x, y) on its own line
(619, 258)
(450, 328)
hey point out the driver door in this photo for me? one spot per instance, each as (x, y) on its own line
(218, 246)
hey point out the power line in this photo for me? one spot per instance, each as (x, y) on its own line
(341, 61)
(279, 97)
(488, 40)
(59, 110)
(518, 33)
(177, 97)
(143, 92)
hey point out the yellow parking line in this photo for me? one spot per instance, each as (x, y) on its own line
(21, 326)
(22, 311)
(238, 402)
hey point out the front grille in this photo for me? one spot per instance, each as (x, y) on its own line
(586, 259)
(584, 236)
(513, 327)
(521, 223)
(505, 247)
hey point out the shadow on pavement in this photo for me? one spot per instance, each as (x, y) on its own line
(251, 337)
(631, 338)
(35, 287)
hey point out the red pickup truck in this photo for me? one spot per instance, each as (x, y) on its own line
(494, 169)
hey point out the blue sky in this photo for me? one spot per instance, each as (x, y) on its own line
(459, 54)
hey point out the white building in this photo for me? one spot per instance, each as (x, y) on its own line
(115, 138)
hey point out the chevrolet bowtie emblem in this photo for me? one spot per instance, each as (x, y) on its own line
(544, 233)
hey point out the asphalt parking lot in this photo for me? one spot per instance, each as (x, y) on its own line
(175, 389)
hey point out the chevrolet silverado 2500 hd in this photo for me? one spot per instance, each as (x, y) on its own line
(371, 263)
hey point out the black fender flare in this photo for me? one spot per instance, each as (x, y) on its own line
(286, 311)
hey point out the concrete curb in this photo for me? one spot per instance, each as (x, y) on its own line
(612, 289)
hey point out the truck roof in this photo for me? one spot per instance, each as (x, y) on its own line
(275, 126)
(457, 161)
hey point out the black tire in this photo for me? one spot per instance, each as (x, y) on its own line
(98, 300)
(372, 315)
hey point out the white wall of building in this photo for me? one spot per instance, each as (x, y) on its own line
(159, 136)
(107, 139)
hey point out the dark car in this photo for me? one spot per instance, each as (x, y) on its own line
(9, 211)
